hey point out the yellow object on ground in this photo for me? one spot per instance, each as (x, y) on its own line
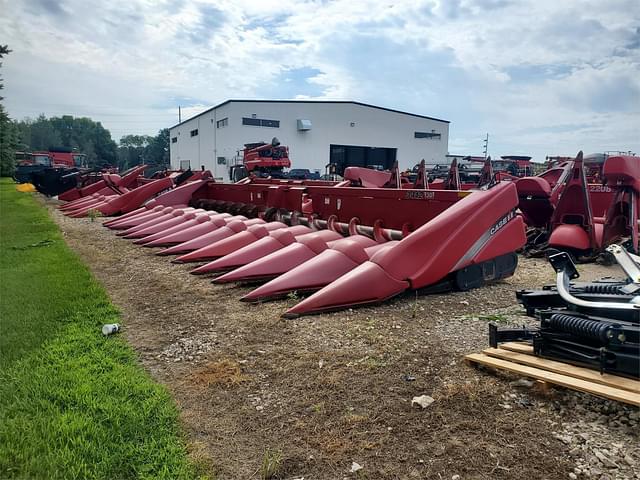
(25, 187)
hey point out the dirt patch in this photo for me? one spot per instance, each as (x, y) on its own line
(333, 389)
(224, 372)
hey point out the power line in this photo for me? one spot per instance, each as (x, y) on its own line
(93, 105)
(102, 114)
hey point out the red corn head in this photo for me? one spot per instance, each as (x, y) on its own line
(129, 201)
(125, 222)
(184, 235)
(341, 258)
(85, 204)
(211, 237)
(76, 204)
(276, 240)
(221, 233)
(479, 228)
(232, 243)
(306, 247)
(150, 222)
(187, 214)
(198, 219)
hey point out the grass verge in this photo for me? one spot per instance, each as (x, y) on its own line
(73, 404)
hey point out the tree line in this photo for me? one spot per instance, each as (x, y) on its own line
(80, 134)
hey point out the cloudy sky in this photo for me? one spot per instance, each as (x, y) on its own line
(541, 77)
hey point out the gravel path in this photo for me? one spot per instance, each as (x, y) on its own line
(322, 392)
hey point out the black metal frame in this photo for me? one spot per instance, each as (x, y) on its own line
(593, 336)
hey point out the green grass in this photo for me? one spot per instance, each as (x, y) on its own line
(73, 404)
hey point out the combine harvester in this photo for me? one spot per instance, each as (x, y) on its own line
(350, 243)
(262, 160)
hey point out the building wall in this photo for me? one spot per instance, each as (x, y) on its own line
(332, 123)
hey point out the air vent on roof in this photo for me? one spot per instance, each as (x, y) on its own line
(304, 125)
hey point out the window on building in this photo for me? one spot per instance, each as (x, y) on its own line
(222, 123)
(251, 121)
(260, 122)
(222, 160)
(194, 132)
(174, 139)
(434, 135)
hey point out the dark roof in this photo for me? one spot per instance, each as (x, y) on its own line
(311, 101)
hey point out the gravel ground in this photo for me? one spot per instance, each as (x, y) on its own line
(317, 394)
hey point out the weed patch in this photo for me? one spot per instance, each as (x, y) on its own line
(271, 464)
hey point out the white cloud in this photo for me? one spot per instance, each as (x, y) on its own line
(540, 76)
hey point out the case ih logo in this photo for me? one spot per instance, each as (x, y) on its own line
(419, 195)
(502, 222)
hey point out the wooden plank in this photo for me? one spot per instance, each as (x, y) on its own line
(558, 379)
(517, 347)
(566, 369)
(543, 387)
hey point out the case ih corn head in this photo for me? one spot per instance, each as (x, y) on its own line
(347, 245)
(566, 213)
(116, 195)
(104, 184)
(368, 238)
(594, 324)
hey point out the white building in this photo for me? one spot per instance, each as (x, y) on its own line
(316, 132)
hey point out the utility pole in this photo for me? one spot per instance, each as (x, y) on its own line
(486, 146)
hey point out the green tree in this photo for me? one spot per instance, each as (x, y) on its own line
(4, 50)
(38, 134)
(105, 146)
(8, 144)
(138, 149)
(157, 152)
(86, 136)
(8, 131)
(81, 134)
(131, 150)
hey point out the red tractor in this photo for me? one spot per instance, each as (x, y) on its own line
(51, 172)
(262, 160)
(62, 157)
(55, 157)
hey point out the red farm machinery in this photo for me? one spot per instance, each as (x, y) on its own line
(262, 160)
(372, 236)
(564, 211)
(51, 172)
(358, 242)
